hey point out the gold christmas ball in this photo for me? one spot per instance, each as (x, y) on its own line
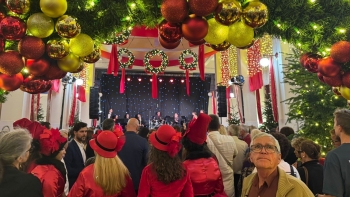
(40, 25)
(240, 35)
(53, 8)
(18, 6)
(80, 68)
(70, 63)
(228, 13)
(11, 62)
(345, 92)
(67, 27)
(93, 57)
(217, 33)
(255, 14)
(57, 48)
(82, 45)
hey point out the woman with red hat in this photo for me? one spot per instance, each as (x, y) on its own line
(203, 168)
(108, 176)
(165, 175)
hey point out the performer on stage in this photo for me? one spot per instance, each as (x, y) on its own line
(176, 120)
(139, 118)
(158, 117)
(110, 114)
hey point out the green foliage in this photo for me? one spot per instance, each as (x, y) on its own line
(313, 103)
(234, 118)
(3, 95)
(269, 121)
(40, 116)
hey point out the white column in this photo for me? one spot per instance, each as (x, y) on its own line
(11, 110)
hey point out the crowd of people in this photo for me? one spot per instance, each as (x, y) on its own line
(204, 159)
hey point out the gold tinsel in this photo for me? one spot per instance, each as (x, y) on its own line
(232, 61)
(84, 75)
(266, 45)
(224, 65)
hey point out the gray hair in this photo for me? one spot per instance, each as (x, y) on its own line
(233, 130)
(254, 132)
(245, 128)
(263, 134)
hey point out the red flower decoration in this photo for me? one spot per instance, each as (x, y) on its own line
(34, 128)
(174, 145)
(50, 141)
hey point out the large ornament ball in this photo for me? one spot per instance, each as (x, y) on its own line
(69, 64)
(18, 6)
(320, 77)
(12, 28)
(194, 28)
(2, 15)
(54, 72)
(221, 47)
(40, 25)
(31, 47)
(346, 79)
(33, 85)
(255, 14)
(2, 44)
(217, 33)
(169, 45)
(174, 11)
(57, 49)
(93, 57)
(340, 52)
(169, 32)
(228, 13)
(82, 45)
(335, 81)
(11, 83)
(39, 67)
(53, 8)
(328, 67)
(240, 35)
(203, 7)
(345, 92)
(67, 27)
(11, 62)
(248, 46)
(199, 42)
(80, 68)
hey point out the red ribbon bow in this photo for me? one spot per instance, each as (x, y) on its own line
(174, 145)
(50, 141)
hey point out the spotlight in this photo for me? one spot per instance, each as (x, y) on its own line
(182, 81)
(139, 79)
(171, 80)
(264, 62)
(150, 80)
(210, 94)
(160, 80)
(128, 79)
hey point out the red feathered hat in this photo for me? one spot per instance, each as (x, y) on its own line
(166, 139)
(197, 129)
(50, 141)
(107, 143)
(34, 128)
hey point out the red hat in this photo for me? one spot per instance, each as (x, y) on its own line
(34, 128)
(197, 129)
(50, 141)
(166, 139)
(107, 143)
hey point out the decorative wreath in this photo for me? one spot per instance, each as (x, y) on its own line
(130, 56)
(120, 39)
(163, 65)
(188, 66)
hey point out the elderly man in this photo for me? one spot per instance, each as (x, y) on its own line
(244, 133)
(269, 179)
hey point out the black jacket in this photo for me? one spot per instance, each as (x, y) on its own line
(315, 176)
(16, 183)
(74, 162)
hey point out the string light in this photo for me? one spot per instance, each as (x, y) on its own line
(342, 30)
(266, 48)
(224, 66)
(232, 61)
(254, 57)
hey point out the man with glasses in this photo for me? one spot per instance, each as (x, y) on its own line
(269, 179)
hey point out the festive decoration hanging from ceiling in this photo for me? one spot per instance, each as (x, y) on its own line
(188, 66)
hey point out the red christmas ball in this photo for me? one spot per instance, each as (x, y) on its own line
(311, 64)
(340, 52)
(169, 32)
(12, 28)
(328, 67)
(199, 42)
(2, 15)
(333, 81)
(2, 44)
(174, 11)
(221, 47)
(11, 83)
(11, 62)
(54, 72)
(31, 47)
(203, 7)
(194, 28)
(169, 45)
(35, 86)
(39, 67)
(346, 79)
(320, 77)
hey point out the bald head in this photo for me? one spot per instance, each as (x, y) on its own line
(132, 125)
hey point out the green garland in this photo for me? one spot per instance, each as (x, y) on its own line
(188, 66)
(119, 39)
(148, 65)
(131, 57)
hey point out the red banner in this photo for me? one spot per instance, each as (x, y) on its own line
(201, 60)
(154, 86)
(122, 82)
(81, 94)
(188, 82)
(258, 106)
(213, 102)
(74, 105)
(273, 91)
(254, 68)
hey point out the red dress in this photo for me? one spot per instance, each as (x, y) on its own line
(51, 179)
(150, 186)
(87, 187)
(205, 176)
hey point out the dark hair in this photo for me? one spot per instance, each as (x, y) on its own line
(287, 131)
(126, 115)
(78, 126)
(214, 124)
(108, 124)
(46, 124)
(89, 134)
(34, 155)
(194, 151)
(177, 128)
(283, 142)
(342, 117)
(167, 169)
(311, 149)
(143, 132)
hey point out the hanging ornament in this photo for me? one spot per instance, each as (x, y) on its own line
(247, 46)
(169, 45)
(255, 14)
(39, 67)
(12, 28)
(2, 15)
(188, 66)
(203, 7)
(221, 47)
(346, 79)
(194, 28)
(67, 27)
(228, 13)
(10, 83)
(123, 65)
(70, 63)
(80, 68)
(53, 8)
(333, 81)
(82, 45)
(345, 92)
(54, 72)
(217, 33)
(311, 62)
(18, 6)
(340, 52)
(240, 35)
(40, 25)
(2, 44)
(120, 38)
(328, 67)
(174, 11)
(320, 77)
(57, 49)
(94, 56)
(35, 86)
(200, 42)
(11, 62)
(336, 91)
(31, 47)
(169, 32)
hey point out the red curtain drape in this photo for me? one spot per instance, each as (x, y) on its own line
(154, 86)
(213, 102)
(273, 91)
(258, 106)
(74, 105)
(81, 94)
(188, 82)
(113, 65)
(122, 82)
(254, 68)
(201, 61)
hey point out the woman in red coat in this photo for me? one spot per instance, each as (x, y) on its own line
(108, 176)
(165, 175)
(203, 168)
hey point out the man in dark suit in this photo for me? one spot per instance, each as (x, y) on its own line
(75, 154)
(134, 152)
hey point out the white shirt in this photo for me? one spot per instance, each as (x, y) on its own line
(109, 115)
(66, 186)
(286, 167)
(239, 159)
(81, 147)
